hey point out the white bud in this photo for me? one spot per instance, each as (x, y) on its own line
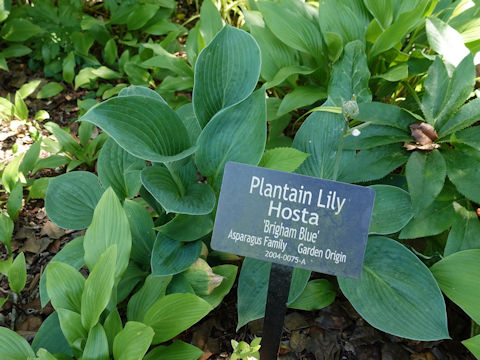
(356, 132)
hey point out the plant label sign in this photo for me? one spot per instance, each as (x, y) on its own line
(293, 220)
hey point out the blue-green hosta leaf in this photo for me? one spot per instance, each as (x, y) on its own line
(446, 41)
(65, 286)
(425, 176)
(396, 293)
(350, 76)
(112, 326)
(463, 170)
(190, 121)
(130, 278)
(144, 126)
(176, 351)
(153, 289)
(379, 113)
(132, 342)
(171, 257)
(392, 210)
(98, 288)
(119, 169)
(71, 199)
(13, 346)
(96, 347)
(283, 159)
(141, 91)
(457, 275)
(174, 195)
(71, 254)
(371, 164)
(174, 313)
(465, 231)
(318, 294)
(187, 228)
(226, 72)
(253, 288)
(320, 136)
(51, 338)
(294, 28)
(237, 133)
(109, 227)
(375, 135)
(141, 227)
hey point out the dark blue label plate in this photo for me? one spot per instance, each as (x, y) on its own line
(292, 219)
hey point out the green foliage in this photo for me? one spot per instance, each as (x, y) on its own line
(245, 351)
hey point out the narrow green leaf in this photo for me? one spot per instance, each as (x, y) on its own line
(175, 313)
(153, 289)
(14, 202)
(174, 195)
(396, 293)
(463, 118)
(110, 52)
(15, 50)
(50, 162)
(320, 136)
(144, 126)
(133, 341)
(171, 257)
(96, 347)
(465, 231)
(98, 288)
(392, 210)
(68, 67)
(109, 227)
(14, 346)
(285, 72)
(29, 88)
(301, 96)
(210, 21)
(6, 230)
(457, 275)
(317, 295)
(226, 72)
(178, 350)
(283, 159)
(21, 110)
(50, 90)
(66, 140)
(384, 114)
(375, 135)
(425, 174)
(30, 158)
(65, 286)
(17, 275)
(382, 10)
(71, 199)
(237, 133)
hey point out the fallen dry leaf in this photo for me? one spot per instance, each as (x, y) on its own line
(423, 133)
(52, 230)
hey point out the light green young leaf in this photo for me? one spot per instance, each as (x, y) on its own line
(283, 159)
(396, 293)
(96, 347)
(15, 50)
(133, 341)
(318, 294)
(71, 199)
(153, 289)
(29, 88)
(98, 288)
(237, 133)
(320, 136)
(66, 140)
(6, 230)
(210, 21)
(171, 257)
(174, 313)
(65, 286)
(392, 210)
(301, 96)
(285, 72)
(30, 158)
(425, 174)
(21, 110)
(178, 350)
(50, 90)
(72, 328)
(446, 41)
(457, 275)
(226, 72)
(13, 346)
(43, 354)
(68, 67)
(109, 227)
(17, 275)
(144, 126)
(14, 202)
(473, 344)
(465, 231)
(110, 52)
(174, 195)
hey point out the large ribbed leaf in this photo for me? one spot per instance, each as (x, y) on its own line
(175, 196)
(141, 227)
(71, 199)
(144, 126)
(119, 169)
(226, 72)
(237, 133)
(396, 293)
(132, 342)
(65, 286)
(13, 346)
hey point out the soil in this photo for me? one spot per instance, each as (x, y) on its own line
(336, 332)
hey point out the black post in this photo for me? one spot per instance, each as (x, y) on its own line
(278, 289)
